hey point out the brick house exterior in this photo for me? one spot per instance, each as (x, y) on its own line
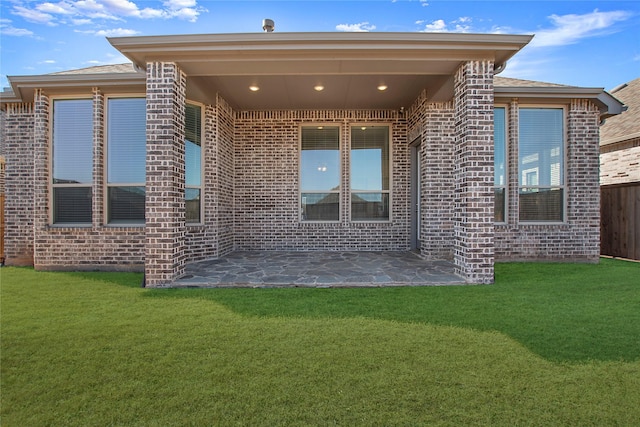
(250, 150)
(620, 139)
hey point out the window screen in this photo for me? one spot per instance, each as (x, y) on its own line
(193, 162)
(370, 164)
(320, 173)
(126, 160)
(72, 168)
(500, 163)
(541, 164)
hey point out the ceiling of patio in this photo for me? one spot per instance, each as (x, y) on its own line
(286, 67)
(339, 91)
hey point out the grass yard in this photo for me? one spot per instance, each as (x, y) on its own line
(548, 344)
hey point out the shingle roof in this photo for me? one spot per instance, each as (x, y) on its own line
(627, 124)
(101, 69)
(509, 82)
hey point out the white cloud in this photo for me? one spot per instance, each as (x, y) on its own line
(569, 29)
(460, 25)
(114, 32)
(6, 29)
(358, 28)
(424, 3)
(113, 10)
(435, 26)
(33, 15)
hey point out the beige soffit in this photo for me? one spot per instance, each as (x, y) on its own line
(286, 66)
(317, 53)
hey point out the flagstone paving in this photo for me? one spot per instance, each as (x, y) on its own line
(318, 269)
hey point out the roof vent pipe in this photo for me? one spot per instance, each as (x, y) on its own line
(268, 25)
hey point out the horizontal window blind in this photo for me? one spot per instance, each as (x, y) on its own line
(72, 161)
(72, 205)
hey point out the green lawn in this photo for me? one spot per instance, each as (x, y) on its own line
(548, 344)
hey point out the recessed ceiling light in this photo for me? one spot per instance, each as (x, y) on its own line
(254, 88)
(319, 88)
(382, 87)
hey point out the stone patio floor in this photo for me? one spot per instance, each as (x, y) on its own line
(318, 269)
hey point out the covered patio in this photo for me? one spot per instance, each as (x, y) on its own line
(318, 269)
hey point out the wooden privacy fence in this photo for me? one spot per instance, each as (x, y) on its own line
(620, 220)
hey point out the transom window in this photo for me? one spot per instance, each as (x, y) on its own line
(126, 160)
(72, 161)
(320, 173)
(541, 164)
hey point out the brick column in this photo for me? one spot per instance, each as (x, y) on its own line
(583, 177)
(165, 207)
(41, 149)
(19, 193)
(474, 197)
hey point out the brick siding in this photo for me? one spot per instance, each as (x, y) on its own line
(620, 162)
(578, 239)
(266, 184)
(473, 173)
(251, 193)
(19, 192)
(164, 204)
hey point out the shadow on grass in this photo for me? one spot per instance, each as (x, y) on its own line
(562, 312)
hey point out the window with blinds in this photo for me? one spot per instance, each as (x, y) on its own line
(370, 173)
(320, 173)
(193, 163)
(72, 165)
(500, 163)
(126, 160)
(541, 151)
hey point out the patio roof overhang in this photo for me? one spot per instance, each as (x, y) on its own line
(349, 66)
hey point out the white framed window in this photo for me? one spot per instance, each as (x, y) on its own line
(500, 164)
(370, 177)
(320, 172)
(541, 152)
(126, 160)
(193, 163)
(72, 161)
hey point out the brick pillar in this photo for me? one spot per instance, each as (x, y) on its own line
(474, 197)
(437, 201)
(19, 193)
(41, 149)
(165, 207)
(583, 177)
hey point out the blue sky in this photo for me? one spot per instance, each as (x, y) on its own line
(581, 43)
